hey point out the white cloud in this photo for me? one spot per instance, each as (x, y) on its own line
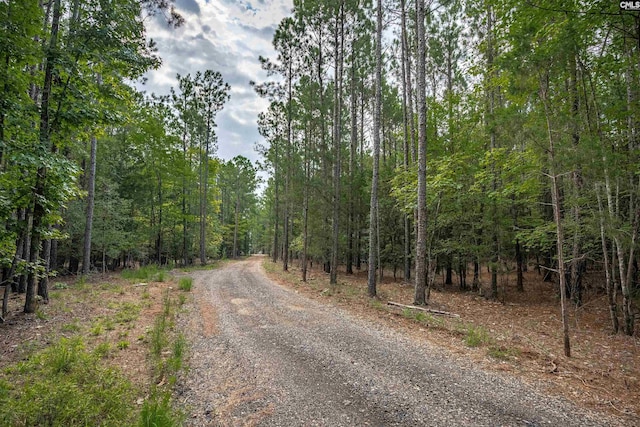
(226, 36)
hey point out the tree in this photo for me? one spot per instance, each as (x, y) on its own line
(421, 290)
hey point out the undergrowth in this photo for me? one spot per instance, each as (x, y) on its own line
(69, 383)
(157, 410)
(65, 385)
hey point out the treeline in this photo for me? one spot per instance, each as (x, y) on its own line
(93, 174)
(517, 124)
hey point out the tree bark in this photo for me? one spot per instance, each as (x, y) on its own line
(91, 192)
(373, 211)
(337, 146)
(557, 215)
(421, 281)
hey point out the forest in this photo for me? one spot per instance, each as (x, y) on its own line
(94, 174)
(403, 138)
(413, 138)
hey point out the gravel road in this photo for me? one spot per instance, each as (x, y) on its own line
(260, 354)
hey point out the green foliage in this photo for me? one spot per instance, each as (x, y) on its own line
(146, 272)
(65, 385)
(185, 284)
(476, 336)
(157, 412)
(71, 327)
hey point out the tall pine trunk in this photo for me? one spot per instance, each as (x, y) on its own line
(91, 191)
(421, 282)
(373, 211)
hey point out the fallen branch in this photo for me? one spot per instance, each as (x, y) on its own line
(428, 310)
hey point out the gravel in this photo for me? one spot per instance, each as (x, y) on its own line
(263, 355)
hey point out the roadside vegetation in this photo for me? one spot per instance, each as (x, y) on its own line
(105, 351)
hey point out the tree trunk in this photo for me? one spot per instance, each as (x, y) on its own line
(405, 124)
(39, 210)
(421, 238)
(557, 209)
(373, 211)
(519, 277)
(91, 191)
(337, 100)
(609, 284)
(234, 253)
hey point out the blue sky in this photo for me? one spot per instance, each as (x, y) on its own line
(226, 36)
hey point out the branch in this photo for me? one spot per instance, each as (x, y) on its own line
(428, 310)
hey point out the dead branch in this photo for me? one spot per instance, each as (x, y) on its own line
(428, 310)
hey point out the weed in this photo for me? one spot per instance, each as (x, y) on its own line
(71, 327)
(65, 385)
(109, 324)
(145, 294)
(96, 329)
(157, 412)
(65, 354)
(142, 273)
(185, 284)
(158, 337)
(476, 336)
(161, 276)
(102, 350)
(502, 353)
(376, 303)
(59, 285)
(41, 315)
(123, 345)
(407, 313)
(421, 317)
(434, 321)
(127, 312)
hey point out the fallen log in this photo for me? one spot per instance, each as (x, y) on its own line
(428, 310)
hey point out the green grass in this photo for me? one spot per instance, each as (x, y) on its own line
(71, 327)
(502, 353)
(64, 385)
(476, 336)
(157, 412)
(185, 284)
(148, 272)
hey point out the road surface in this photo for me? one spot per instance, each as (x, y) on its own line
(261, 354)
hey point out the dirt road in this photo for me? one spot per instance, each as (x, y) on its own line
(264, 355)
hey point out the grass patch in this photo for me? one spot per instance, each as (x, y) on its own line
(71, 327)
(147, 272)
(157, 412)
(167, 354)
(376, 303)
(185, 284)
(476, 336)
(502, 353)
(127, 312)
(64, 385)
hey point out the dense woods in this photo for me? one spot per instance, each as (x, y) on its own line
(95, 175)
(408, 138)
(456, 136)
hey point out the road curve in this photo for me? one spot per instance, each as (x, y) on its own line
(263, 355)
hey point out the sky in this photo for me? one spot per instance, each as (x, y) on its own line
(226, 36)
